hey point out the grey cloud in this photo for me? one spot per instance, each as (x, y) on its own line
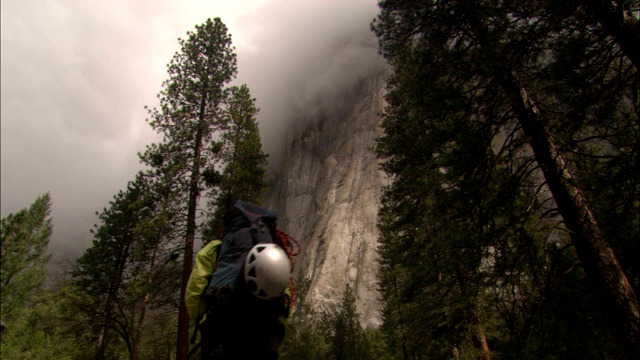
(72, 119)
(76, 75)
(310, 58)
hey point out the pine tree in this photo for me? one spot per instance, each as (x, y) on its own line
(128, 269)
(108, 267)
(52, 329)
(484, 122)
(304, 339)
(244, 173)
(342, 330)
(210, 142)
(25, 236)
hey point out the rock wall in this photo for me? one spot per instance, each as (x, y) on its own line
(327, 194)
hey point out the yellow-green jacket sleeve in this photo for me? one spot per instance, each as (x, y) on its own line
(199, 279)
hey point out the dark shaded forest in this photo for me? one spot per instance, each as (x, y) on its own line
(510, 228)
(511, 135)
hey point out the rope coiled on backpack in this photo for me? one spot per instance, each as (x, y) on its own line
(292, 247)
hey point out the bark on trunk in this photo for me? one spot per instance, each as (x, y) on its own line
(479, 338)
(194, 194)
(596, 256)
(100, 345)
(110, 303)
(135, 343)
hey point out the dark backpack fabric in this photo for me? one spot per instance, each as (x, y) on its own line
(247, 225)
(242, 327)
(239, 325)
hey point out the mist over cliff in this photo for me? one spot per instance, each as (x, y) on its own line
(327, 194)
(320, 78)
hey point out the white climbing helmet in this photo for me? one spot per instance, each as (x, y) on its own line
(267, 270)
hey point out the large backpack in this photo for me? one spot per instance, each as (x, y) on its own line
(247, 225)
(234, 315)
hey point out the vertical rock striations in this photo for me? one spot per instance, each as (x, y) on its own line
(327, 195)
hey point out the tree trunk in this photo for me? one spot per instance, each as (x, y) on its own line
(110, 303)
(183, 316)
(194, 194)
(479, 338)
(145, 301)
(100, 345)
(596, 256)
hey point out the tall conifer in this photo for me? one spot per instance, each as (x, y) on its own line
(204, 125)
(244, 174)
(24, 239)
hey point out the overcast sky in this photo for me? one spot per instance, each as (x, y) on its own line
(76, 75)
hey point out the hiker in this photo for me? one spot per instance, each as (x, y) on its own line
(240, 290)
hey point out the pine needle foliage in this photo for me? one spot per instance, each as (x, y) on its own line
(503, 121)
(23, 257)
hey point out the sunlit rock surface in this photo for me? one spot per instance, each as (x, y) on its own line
(327, 194)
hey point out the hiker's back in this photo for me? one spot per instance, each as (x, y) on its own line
(246, 298)
(242, 326)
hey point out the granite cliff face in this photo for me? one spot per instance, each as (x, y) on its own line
(327, 194)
